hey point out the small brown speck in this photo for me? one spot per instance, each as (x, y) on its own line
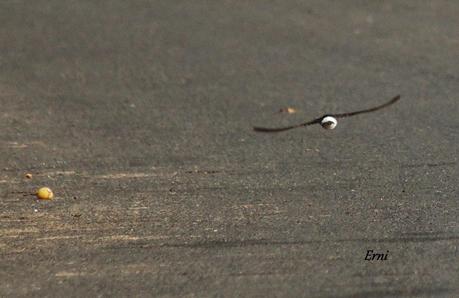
(287, 110)
(28, 176)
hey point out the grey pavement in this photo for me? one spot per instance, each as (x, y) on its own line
(139, 115)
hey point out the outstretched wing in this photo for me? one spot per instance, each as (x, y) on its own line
(265, 129)
(343, 115)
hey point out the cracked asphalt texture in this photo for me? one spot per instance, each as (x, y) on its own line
(139, 115)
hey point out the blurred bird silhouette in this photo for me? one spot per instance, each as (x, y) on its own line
(328, 121)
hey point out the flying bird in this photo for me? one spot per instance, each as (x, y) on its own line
(328, 121)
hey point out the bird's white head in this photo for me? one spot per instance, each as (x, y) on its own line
(329, 122)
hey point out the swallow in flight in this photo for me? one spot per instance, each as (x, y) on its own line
(328, 121)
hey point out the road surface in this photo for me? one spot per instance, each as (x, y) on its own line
(139, 115)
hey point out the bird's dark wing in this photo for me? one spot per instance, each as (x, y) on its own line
(343, 115)
(265, 129)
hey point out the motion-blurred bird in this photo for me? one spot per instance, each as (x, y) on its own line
(328, 121)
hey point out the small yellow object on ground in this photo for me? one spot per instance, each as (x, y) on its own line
(45, 193)
(287, 110)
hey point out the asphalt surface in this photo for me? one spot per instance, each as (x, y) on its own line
(139, 115)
